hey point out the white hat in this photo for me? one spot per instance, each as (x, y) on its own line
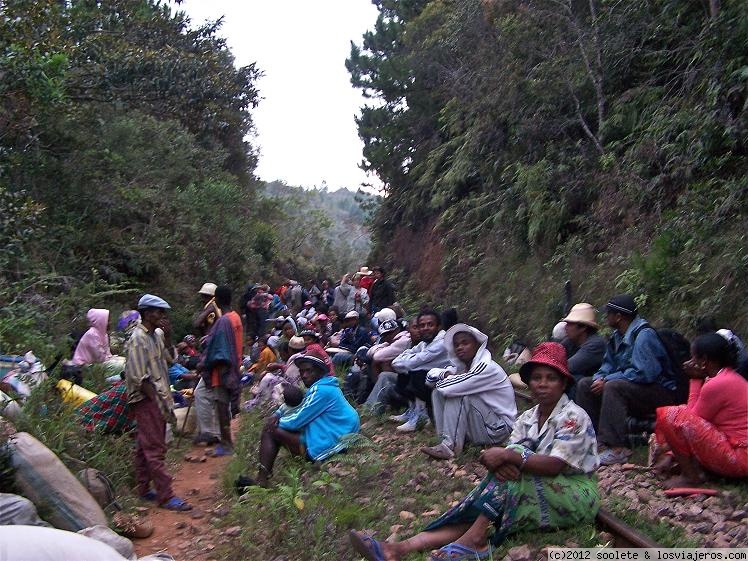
(385, 314)
(297, 343)
(152, 301)
(582, 313)
(351, 315)
(208, 289)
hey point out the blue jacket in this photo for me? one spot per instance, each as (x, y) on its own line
(638, 356)
(322, 418)
(353, 338)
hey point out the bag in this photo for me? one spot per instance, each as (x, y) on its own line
(100, 487)
(678, 350)
(45, 481)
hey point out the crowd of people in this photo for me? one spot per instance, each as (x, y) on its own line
(315, 356)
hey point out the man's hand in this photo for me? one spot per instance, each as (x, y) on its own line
(597, 386)
(507, 472)
(165, 326)
(271, 422)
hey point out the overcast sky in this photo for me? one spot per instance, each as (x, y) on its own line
(305, 126)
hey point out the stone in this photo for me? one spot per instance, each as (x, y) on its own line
(720, 527)
(701, 528)
(406, 515)
(738, 515)
(605, 538)
(222, 511)
(520, 553)
(233, 531)
(644, 495)
(180, 525)
(197, 514)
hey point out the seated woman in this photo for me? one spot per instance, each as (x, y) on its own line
(93, 347)
(544, 479)
(473, 400)
(315, 429)
(711, 430)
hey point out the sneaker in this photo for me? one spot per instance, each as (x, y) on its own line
(613, 456)
(439, 452)
(416, 421)
(402, 417)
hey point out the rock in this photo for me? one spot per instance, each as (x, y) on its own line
(180, 525)
(395, 528)
(644, 495)
(604, 538)
(222, 511)
(431, 513)
(664, 510)
(720, 527)
(233, 531)
(738, 515)
(520, 553)
(701, 528)
(197, 514)
(460, 473)
(406, 515)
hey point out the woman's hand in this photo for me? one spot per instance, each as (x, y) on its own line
(507, 472)
(493, 458)
(694, 369)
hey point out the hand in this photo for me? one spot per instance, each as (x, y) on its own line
(271, 422)
(507, 472)
(165, 326)
(694, 369)
(493, 458)
(597, 386)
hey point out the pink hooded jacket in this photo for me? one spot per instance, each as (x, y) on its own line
(93, 348)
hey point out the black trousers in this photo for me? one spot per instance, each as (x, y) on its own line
(413, 386)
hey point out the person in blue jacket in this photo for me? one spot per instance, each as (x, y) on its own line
(315, 428)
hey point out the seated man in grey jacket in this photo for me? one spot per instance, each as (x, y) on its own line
(473, 399)
(413, 364)
(584, 347)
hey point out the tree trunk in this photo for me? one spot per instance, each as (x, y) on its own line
(714, 7)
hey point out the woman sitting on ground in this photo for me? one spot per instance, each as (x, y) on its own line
(544, 479)
(711, 430)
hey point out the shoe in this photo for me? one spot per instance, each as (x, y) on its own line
(411, 425)
(402, 417)
(221, 450)
(242, 482)
(177, 504)
(206, 439)
(439, 452)
(612, 456)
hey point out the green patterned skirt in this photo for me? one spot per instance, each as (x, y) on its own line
(532, 503)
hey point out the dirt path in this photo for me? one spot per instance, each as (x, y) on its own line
(191, 535)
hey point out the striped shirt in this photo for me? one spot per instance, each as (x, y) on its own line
(145, 361)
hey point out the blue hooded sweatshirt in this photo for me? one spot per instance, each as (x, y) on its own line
(322, 418)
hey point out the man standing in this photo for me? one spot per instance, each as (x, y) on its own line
(220, 366)
(149, 398)
(210, 312)
(636, 377)
(382, 291)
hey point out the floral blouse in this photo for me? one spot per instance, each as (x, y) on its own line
(567, 434)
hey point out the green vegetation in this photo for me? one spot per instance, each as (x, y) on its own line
(524, 144)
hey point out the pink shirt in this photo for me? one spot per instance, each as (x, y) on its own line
(723, 401)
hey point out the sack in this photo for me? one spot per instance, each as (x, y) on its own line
(16, 510)
(181, 414)
(100, 487)
(45, 481)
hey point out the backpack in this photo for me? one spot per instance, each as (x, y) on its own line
(678, 350)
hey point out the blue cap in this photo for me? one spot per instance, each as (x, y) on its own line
(151, 301)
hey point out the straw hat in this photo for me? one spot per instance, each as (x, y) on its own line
(583, 313)
(548, 354)
(208, 289)
(364, 272)
(297, 343)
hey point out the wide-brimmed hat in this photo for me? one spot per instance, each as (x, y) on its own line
(296, 343)
(583, 313)
(547, 354)
(208, 289)
(364, 272)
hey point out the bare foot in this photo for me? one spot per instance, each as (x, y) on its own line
(681, 481)
(664, 465)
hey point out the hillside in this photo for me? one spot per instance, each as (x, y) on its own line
(524, 144)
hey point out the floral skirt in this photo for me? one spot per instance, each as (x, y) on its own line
(533, 502)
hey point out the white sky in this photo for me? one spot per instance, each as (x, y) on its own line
(305, 127)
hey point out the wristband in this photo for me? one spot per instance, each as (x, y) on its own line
(525, 454)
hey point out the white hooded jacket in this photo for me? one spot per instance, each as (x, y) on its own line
(483, 379)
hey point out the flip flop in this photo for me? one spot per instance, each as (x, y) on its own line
(177, 504)
(367, 546)
(458, 552)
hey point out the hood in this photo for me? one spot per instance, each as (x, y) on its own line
(483, 354)
(98, 319)
(327, 381)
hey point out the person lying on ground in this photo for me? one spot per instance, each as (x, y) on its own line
(543, 480)
(636, 378)
(316, 429)
(473, 399)
(711, 431)
(220, 364)
(584, 347)
(150, 400)
(413, 364)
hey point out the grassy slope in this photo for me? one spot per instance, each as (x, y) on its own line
(383, 484)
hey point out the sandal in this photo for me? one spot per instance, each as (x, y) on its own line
(149, 496)
(457, 552)
(367, 546)
(177, 504)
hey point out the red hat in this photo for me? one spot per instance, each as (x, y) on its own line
(316, 357)
(548, 354)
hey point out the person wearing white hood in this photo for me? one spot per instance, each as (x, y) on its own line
(473, 400)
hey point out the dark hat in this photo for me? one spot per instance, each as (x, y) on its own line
(310, 333)
(387, 326)
(316, 362)
(548, 354)
(623, 304)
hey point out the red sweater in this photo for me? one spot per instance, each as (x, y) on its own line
(723, 401)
